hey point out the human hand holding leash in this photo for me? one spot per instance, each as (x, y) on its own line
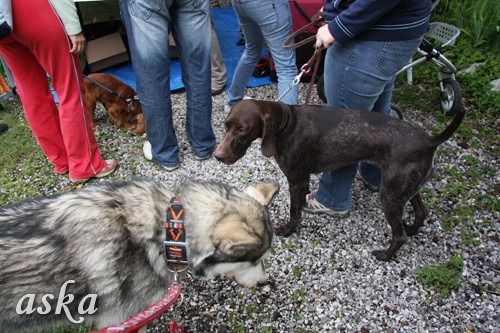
(78, 43)
(324, 37)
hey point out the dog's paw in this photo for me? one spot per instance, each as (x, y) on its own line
(382, 255)
(411, 230)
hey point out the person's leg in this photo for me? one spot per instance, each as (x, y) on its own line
(391, 57)
(254, 43)
(64, 69)
(217, 63)
(241, 41)
(65, 135)
(357, 74)
(371, 174)
(147, 24)
(191, 30)
(276, 26)
(335, 188)
(38, 103)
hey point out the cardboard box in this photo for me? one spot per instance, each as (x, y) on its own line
(105, 52)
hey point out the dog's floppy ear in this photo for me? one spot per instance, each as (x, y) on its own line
(239, 249)
(268, 144)
(262, 192)
(234, 240)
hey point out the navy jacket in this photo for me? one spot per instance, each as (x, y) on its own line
(378, 20)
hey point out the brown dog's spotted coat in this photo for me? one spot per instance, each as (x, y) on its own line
(121, 113)
(314, 139)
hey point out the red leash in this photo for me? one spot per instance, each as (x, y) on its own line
(176, 253)
(132, 325)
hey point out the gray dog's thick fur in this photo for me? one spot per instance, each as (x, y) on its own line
(109, 240)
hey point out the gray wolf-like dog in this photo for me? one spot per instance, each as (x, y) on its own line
(313, 139)
(108, 239)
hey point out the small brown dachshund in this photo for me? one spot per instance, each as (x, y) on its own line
(119, 99)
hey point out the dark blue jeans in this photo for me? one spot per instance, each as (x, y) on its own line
(269, 21)
(360, 75)
(148, 25)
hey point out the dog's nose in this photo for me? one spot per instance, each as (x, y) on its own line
(218, 154)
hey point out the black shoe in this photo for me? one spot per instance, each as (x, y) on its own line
(217, 92)
(262, 68)
(3, 128)
(240, 42)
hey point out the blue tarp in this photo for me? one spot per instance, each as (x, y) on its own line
(226, 26)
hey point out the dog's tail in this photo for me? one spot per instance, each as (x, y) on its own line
(436, 140)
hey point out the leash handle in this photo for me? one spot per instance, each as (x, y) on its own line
(314, 60)
(316, 19)
(316, 56)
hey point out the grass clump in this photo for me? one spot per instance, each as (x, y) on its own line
(478, 20)
(443, 278)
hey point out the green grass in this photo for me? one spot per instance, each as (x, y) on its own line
(469, 238)
(297, 272)
(479, 131)
(443, 278)
(16, 145)
(478, 20)
(299, 296)
(21, 158)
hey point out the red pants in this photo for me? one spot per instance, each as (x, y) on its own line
(39, 46)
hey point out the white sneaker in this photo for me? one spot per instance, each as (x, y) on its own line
(314, 207)
(146, 149)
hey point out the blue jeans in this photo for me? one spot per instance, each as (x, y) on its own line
(268, 20)
(360, 75)
(148, 24)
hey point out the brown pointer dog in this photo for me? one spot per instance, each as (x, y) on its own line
(313, 139)
(124, 109)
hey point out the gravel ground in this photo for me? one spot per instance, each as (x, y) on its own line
(324, 278)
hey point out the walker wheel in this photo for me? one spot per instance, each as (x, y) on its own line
(451, 97)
